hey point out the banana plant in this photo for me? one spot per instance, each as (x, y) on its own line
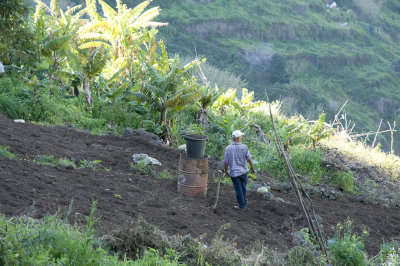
(169, 88)
(208, 96)
(246, 103)
(121, 31)
(317, 130)
(55, 32)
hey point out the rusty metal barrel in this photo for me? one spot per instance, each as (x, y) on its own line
(193, 176)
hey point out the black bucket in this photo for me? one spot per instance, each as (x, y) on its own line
(195, 146)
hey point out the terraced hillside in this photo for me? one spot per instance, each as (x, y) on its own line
(314, 54)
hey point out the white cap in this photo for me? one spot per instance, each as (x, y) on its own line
(236, 134)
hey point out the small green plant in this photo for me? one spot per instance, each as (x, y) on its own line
(347, 247)
(5, 152)
(165, 175)
(89, 164)
(154, 257)
(225, 180)
(142, 168)
(117, 196)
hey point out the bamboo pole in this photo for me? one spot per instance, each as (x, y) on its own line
(315, 230)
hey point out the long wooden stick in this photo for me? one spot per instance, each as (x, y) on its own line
(314, 230)
(218, 187)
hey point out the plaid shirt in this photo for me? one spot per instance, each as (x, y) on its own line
(237, 155)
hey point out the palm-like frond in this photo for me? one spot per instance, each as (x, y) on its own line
(139, 96)
(72, 10)
(97, 26)
(57, 43)
(189, 98)
(93, 36)
(91, 10)
(154, 75)
(173, 100)
(93, 44)
(54, 8)
(133, 14)
(108, 11)
(97, 61)
(149, 89)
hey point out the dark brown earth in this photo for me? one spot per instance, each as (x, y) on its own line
(30, 189)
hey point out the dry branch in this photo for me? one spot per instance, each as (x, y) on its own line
(315, 228)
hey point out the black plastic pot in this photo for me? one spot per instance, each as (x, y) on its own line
(195, 146)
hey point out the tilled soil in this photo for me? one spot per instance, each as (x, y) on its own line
(27, 188)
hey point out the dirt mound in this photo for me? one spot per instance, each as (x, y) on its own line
(36, 190)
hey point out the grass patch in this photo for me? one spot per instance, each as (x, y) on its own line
(343, 180)
(5, 152)
(50, 160)
(165, 175)
(360, 152)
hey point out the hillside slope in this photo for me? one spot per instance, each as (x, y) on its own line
(323, 56)
(33, 189)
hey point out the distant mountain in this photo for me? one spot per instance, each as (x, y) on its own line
(312, 54)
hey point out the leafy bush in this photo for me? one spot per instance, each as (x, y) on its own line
(307, 162)
(50, 241)
(344, 180)
(347, 247)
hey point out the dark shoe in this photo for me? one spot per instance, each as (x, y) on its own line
(238, 208)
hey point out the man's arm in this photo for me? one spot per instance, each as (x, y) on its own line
(253, 170)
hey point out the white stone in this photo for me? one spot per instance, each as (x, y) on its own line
(146, 158)
(1, 68)
(262, 190)
(182, 147)
(19, 121)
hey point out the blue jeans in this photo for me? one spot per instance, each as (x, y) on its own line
(240, 183)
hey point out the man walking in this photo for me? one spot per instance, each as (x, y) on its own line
(236, 157)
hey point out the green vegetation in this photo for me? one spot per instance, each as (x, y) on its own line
(311, 56)
(344, 180)
(52, 161)
(5, 152)
(346, 246)
(106, 70)
(142, 168)
(165, 175)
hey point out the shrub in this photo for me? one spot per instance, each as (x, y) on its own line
(50, 241)
(307, 162)
(344, 180)
(346, 246)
